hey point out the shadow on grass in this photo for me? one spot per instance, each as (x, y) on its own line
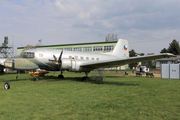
(79, 79)
(19, 78)
(76, 79)
(125, 76)
(119, 84)
(13, 80)
(12, 73)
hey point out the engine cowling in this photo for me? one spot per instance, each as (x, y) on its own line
(66, 64)
(73, 65)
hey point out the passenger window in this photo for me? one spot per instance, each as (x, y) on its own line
(97, 58)
(82, 58)
(70, 57)
(92, 58)
(87, 58)
(76, 57)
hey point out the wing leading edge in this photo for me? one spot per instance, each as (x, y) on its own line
(119, 62)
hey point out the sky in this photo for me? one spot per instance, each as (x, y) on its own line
(148, 25)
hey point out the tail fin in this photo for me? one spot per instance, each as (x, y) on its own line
(121, 49)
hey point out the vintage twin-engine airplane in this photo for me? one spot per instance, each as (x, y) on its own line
(73, 61)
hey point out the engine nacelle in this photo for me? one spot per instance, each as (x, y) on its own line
(66, 64)
(73, 65)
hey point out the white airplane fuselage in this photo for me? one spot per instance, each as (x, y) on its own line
(54, 60)
(71, 60)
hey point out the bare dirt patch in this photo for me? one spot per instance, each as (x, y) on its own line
(155, 74)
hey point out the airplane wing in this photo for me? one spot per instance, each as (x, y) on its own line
(119, 62)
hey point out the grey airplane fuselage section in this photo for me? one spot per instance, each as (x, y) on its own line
(71, 60)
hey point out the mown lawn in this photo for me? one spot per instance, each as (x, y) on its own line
(126, 97)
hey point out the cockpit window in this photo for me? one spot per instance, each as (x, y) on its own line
(27, 54)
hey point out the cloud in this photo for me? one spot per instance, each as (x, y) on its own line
(67, 21)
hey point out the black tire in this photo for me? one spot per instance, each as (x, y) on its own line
(86, 79)
(6, 86)
(1, 71)
(61, 76)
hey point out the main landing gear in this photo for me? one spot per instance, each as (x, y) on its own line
(61, 76)
(86, 78)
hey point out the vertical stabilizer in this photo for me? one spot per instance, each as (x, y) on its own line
(121, 49)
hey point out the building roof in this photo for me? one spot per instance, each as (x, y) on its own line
(72, 44)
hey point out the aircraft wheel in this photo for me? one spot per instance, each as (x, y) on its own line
(86, 79)
(61, 76)
(36, 79)
(6, 86)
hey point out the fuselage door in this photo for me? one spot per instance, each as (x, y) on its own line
(73, 64)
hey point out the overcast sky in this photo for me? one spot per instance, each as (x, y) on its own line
(148, 25)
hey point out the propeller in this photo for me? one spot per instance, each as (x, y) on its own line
(59, 61)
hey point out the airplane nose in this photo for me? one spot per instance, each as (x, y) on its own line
(9, 63)
(20, 64)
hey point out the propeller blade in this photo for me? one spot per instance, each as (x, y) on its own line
(60, 55)
(59, 60)
(55, 58)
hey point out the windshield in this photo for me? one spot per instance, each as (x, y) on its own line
(27, 54)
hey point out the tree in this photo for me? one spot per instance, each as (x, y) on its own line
(141, 54)
(164, 50)
(149, 64)
(27, 47)
(132, 53)
(174, 47)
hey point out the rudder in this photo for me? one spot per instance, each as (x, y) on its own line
(121, 50)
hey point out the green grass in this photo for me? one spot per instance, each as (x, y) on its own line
(126, 97)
